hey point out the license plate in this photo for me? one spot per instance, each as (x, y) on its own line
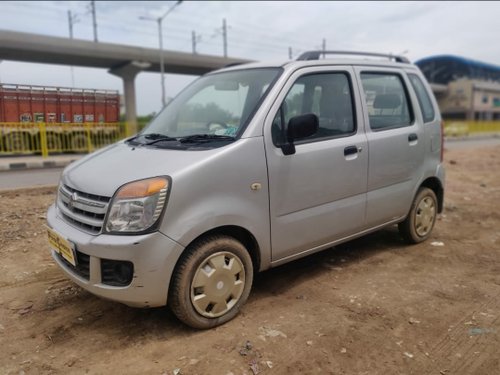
(62, 246)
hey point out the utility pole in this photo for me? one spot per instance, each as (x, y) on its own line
(72, 19)
(94, 19)
(224, 36)
(290, 55)
(324, 48)
(193, 39)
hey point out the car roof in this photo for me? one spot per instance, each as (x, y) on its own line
(297, 64)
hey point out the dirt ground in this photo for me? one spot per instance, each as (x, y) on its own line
(371, 306)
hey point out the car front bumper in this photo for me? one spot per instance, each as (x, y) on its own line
(153, 256)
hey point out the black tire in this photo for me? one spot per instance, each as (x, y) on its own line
(418, 225)
(230, 282)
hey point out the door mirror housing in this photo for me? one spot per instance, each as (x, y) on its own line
(301, 126)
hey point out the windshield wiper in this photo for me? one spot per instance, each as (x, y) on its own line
(132, 138)
(196, 138)
(152, 135)
(157, 137)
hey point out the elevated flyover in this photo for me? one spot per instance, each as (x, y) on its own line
(121, 60)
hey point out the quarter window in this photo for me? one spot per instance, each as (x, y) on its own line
(387, 101)
(423, 97)
(328, 96)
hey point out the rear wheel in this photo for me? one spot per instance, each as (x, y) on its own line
(211, 282)
(417, 226)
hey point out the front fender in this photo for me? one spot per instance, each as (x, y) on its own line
(218, 192)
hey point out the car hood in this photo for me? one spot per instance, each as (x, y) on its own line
(104, 171)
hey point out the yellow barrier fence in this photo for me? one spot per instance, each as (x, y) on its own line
(464, 128)
(45, 139)
(51, 138)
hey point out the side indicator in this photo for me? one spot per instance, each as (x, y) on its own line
(256, 186)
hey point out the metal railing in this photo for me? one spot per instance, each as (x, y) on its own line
(25, 138)
(53, 138)
(456, 128)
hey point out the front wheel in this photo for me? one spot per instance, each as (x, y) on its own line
(211, 282)
(417, 226)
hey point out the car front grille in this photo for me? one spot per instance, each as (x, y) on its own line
(82, 267)
(83, 210)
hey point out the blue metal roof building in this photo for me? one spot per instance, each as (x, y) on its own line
(445, 68)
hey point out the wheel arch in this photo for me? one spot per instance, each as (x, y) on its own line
(435, 185)
(239, 233)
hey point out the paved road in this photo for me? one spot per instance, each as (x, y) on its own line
(29, 178)
(37, 177)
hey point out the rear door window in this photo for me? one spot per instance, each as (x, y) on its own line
(387, 101)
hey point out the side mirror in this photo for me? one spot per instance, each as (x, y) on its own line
(301, 126)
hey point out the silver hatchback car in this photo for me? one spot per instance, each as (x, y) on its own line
(250, 167)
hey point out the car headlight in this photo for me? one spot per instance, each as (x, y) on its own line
(137, 205)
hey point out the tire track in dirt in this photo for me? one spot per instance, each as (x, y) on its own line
(470, 344)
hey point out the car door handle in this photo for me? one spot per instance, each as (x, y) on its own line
(351, 150)
(412, 137)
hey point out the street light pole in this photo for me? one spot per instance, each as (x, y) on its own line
(159, 20)
(162, 63)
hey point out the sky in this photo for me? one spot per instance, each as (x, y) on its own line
(258, 30)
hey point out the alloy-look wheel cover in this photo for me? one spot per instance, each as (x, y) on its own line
(217, 284)
(424, 216)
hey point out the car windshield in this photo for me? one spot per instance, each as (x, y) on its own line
(214, 107)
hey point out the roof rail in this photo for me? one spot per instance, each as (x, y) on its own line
(315, 55)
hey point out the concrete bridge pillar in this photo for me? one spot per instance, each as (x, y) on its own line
(127, 73)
